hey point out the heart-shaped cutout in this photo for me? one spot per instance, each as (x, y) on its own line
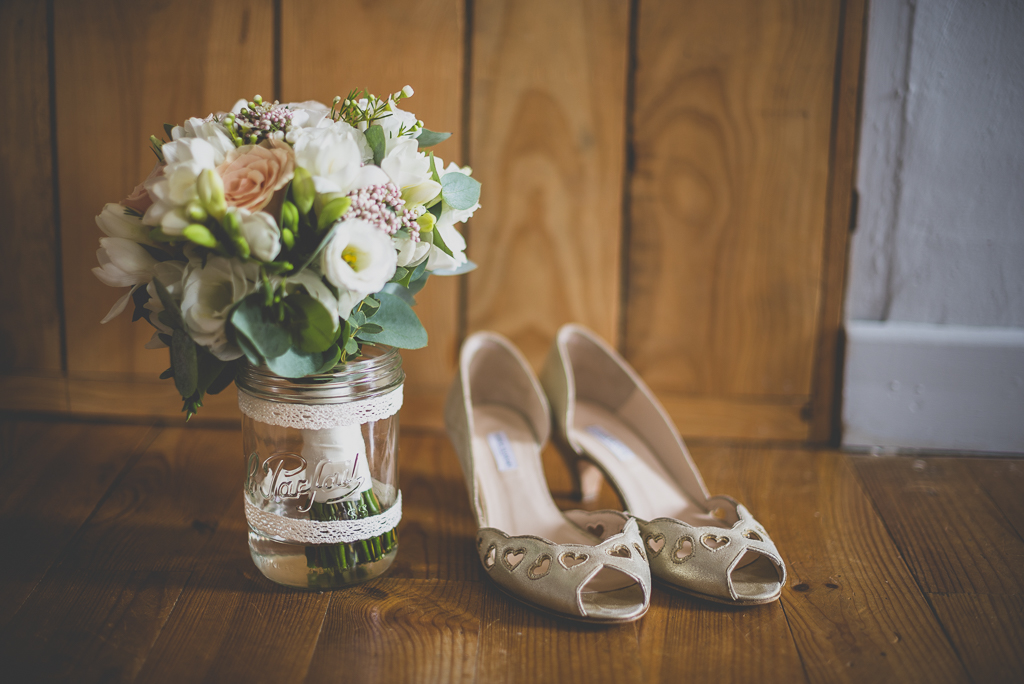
(713, 542)
(490, 558)
(683, 550)
(656, 542)
(620, 551)
(513, 557)
(596, 529)
(752, 535)
(639, 551)
(570, 560)
(539, 568)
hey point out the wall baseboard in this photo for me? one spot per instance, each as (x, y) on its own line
(920, 386)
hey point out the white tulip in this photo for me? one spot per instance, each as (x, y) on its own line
(359, 259)
(207, 297)
(261, 232)
(115, 222)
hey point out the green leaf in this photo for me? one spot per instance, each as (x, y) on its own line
(268, 337)
(158, 254)
(433, 170)
(459, 190)
(167, 129)
(400, 292)
(369, 329)
(401, 327)
(303, 190)
(222, 381)
(439, 241)
(171, 315)
(296, 364)
(351, 347)
(428, 138)
(419, 275)
(435, 210)
(332, 357)
(370, 305)
(169, 373)
(400, 274)
(249, 350)
(378, 143)
(183, 361)
(313, 328)
(357, 318)
(332, 211)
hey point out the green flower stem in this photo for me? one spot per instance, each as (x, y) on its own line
(326, 560)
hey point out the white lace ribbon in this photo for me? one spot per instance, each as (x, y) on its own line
(320, 416)
(323, 531)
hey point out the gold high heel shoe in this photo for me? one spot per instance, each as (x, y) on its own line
(606, 414)
(579, 565)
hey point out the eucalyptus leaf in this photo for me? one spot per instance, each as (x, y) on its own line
(417, 284)
(224, 379)
(428, 138)
(378, 143)
(247, 347)
(434, 176)
(296, 364)
(401, 326)
(351, 347)
(261, 326)
(402, 293)
(167, 129)
(401, 274)
(313, 328)
(369, 329)
(183, 361)
(331, 358)
(459, 190)
(172, 319)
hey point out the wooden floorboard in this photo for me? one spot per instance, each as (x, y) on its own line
(141, 573)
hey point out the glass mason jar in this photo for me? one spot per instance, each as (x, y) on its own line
(321, 477)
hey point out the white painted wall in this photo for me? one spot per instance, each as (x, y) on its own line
(940, 231)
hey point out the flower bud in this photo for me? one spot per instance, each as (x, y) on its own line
(426, 222)
(289, 216)
(211, 193)
(195, 212)
(407, 91)
(232, 224)
(200, 235)
(332, 212)
(258, 100)
(287, 237)
(241, 246)
(303, 190)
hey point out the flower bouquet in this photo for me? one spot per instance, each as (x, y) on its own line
(290, 237)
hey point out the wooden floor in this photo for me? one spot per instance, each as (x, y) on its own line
(125, 560)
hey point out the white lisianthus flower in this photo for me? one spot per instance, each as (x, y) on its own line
(208, 293)
(123, 263)
(261, 232)
(314, 284)
(186, 158)
(334, 157)
(170, 275)
(115, 222)
(359, 260)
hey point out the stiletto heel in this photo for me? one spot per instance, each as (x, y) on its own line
(581, 565)
(586, 477)
(605, 412)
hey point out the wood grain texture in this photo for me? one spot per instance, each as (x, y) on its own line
(123, 69)
(825, 422)
(228, 590)
(1002, 479)
(953, 537)
(75, 465)
(30, 333)
(855, 612)
(548, 127)
(104, 604)
(387, 45)
(732, 129)
(717, 418)
(987, 632)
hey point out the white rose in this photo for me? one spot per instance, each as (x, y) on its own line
(208, 294)
(334, 157)
(115, 222)
(261, 232)
(359, 259)
(404, 164)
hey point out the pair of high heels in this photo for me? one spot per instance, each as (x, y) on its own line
(594, 566)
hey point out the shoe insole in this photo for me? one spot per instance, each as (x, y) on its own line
(645, 486)
(516, 500)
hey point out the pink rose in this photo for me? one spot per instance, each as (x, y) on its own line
(140, 200)
(252, 173)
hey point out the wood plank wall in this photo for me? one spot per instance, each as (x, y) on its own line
(675, 174)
